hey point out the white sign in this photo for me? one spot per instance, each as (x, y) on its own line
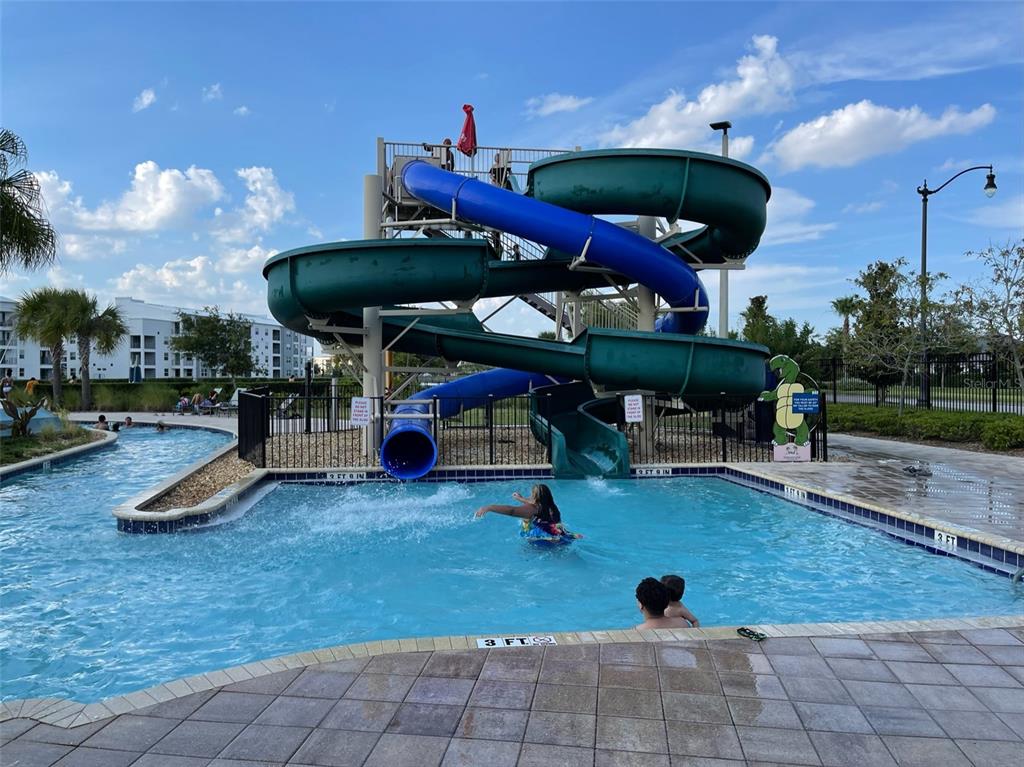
(792, 453)
(516, 641)
(945, 541)
(360, 411)
(661, 471)
(795, 492)
(634, 407)
(345, 476)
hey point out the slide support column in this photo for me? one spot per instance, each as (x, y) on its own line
(645, 296)
(372, 338)
(723, 303)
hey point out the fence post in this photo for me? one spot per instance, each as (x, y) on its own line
(547, 417)
(307, 409)
(725, 447)
(995, 393)
(823, 426)
(437, 432)
(835, 380)
(264, 428)
(490, 427)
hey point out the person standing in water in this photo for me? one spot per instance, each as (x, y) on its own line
(541, 517)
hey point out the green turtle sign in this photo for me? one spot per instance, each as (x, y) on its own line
(791, 433)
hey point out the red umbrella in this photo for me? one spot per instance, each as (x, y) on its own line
(467, 139)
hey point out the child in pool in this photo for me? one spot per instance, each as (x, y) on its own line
(651, 599)
(539, 511)
(676, 585)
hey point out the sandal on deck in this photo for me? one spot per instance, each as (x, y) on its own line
(755, 636)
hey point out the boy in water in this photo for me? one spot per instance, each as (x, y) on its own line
(676, 585)
(652, 599)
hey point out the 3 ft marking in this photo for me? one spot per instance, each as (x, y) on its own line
(345, 476)
(659, 472)
(795, 492)
(945, 541)
(527, 641)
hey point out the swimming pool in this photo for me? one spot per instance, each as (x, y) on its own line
(312, 566)
(63, 570)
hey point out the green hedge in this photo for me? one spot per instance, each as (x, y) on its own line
(996, 431)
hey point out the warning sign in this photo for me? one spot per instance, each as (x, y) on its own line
(360, 411)
(634, 407)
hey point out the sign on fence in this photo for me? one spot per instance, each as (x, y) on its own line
(633, 404)
(360, 415)
(806, 403)
(792, 453)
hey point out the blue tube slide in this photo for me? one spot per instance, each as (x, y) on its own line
(408, 450)
(609, 246)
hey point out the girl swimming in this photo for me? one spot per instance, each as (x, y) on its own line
(542, 521)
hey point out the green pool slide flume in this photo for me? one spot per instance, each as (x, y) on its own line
(332, 282)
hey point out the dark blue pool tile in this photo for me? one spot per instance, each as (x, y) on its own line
(986, 550)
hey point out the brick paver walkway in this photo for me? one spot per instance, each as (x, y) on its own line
(930, 698)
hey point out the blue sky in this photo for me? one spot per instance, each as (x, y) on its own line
(178, 144)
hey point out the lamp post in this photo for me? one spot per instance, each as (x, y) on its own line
(924, 395)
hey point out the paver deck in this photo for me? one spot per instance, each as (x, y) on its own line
(977, 490)
(938, 698)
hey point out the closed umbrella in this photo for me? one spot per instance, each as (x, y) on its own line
(467, 139)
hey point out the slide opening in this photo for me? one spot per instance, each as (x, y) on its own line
(408, 452)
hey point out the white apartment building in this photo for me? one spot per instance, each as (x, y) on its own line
(279, 352)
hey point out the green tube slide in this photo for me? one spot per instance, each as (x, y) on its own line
(332, 282)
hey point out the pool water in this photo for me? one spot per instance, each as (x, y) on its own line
(311, 566)
(64, 567)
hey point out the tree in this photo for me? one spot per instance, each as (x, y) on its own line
(91, 327)
(887, 343)
(44, 314)
(785, 337)
(223, 343)
(846, 307)
(26, 237)
(995, 308)
(546, 335)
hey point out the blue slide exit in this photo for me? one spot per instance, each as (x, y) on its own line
(408, 450)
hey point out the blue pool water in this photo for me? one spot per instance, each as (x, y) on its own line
(312, 566)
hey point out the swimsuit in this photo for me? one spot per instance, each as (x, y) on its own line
(546, 533)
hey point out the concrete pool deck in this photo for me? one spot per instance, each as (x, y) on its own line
(908, 693)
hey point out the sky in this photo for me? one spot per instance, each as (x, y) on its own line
(178, 145)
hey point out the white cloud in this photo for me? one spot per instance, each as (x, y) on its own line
(91, 247)
(156, 199)
(553, 103)
(144, 100)
(1000, 214)
(265, 205)
(863, 130)
(190, 282)
(242, 111)
(212, 92)
(59, 277)
(763, 84)
(243, 260)
(787, 210)
(864, 207)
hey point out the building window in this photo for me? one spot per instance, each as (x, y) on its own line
(166, 357)
(136, 342)
(150, 342)
(150, 358)
(165, 372)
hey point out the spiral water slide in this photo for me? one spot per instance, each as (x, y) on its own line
(331, 283)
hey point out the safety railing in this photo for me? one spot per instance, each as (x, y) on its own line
(982, 382)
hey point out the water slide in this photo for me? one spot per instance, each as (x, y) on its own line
(332, 282)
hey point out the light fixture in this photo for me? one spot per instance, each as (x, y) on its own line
(990, 184)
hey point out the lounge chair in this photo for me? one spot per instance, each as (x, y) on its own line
(231, 406)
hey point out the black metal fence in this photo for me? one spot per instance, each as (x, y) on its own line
(279, 430)
(982, 382)
(674, 432)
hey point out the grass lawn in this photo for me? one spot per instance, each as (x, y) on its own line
(36, 445)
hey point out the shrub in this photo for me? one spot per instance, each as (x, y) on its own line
(1007, 435)
(997, 431)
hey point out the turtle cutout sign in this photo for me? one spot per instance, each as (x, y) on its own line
(791, 433)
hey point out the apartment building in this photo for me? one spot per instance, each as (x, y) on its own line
(279, 352)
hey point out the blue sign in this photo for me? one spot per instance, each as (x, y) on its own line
(806, 404)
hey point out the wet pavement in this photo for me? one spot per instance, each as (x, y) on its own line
(933, 697)
(982, 491)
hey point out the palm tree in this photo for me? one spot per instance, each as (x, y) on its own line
(104, 330)
(846, 307)
(44, 314)
(26, 237)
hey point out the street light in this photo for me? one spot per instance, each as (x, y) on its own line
(924, 396)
